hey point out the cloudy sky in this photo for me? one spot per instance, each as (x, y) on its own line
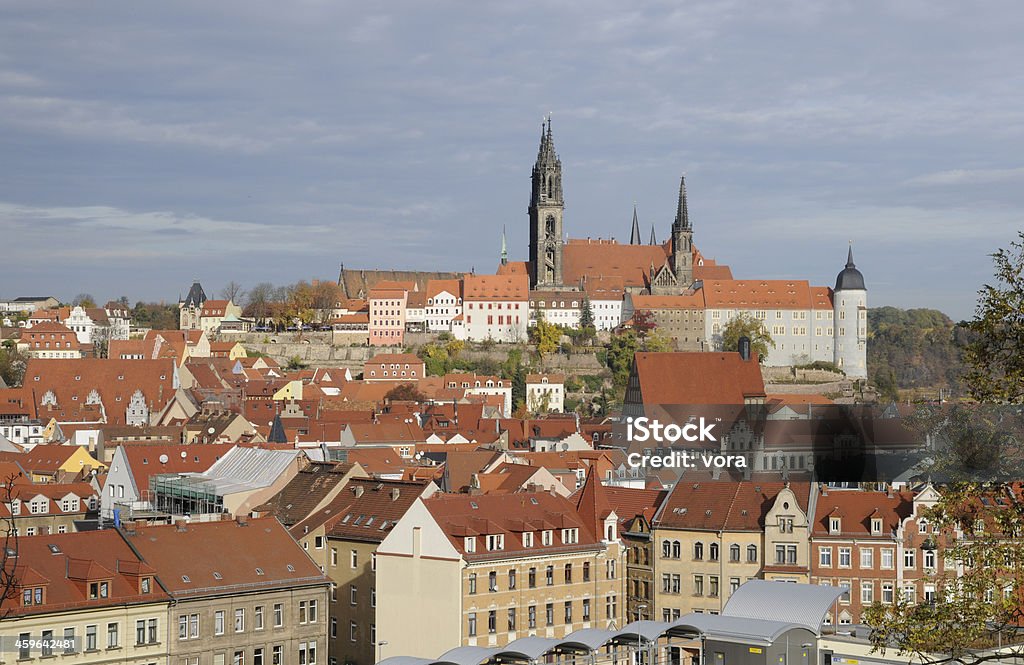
(146, 144)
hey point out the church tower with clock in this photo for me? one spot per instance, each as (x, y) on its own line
(546, 207)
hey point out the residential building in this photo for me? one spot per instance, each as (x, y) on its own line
(495, 307)
(492, 568)
(49, 340)
(388, 316)
(259, 599)
(394, 367)
(545, 393)
(444, 303)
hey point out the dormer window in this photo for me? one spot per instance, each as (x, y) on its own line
(146, 584)
(835, 525)
(99, 590)
(570, 536)
(470, 544)
(496, 542)
(876, 526)
(528, 539)
(545, 537)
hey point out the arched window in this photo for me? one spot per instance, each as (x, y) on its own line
(698, 551)
(734, 552)
(677, 549)
(751, 553)
(713, 552)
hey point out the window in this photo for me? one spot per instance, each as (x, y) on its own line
(532, 578)
(929, 558)
(140, 631)
(47, 639)
(312, 611)
(318, 542)
(887, 558)
(532, 616)
(568, 611)
(511, 618)
(218, 622)
(258, 618)
(867, 557)
(549, 614)
(825, 557)
(238, 658)
(112, 640)
(844, 557)
(734, 553)
(353, 559)
(734, 584)
(586, 571)
(887, 592)
(492, 581)
(751, 553)
(472, 583)
(610, 569)
(512, 579)
(549, 575)
(568, 573)
(611, 608)
(239, 619)
(527, 540)
(713, 586)
(151, 631)
(698, 585)
(908, 559)
(492, 622)
(471, 625)
(867, 592)
(835, 525)
(257, 656)
(69, 639)
(334, 556)
(713, 552)
(698, 551)
(278, 615)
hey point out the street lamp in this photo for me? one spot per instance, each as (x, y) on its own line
(639, 612)
(380, 645)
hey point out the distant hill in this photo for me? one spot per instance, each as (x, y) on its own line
(912, 349)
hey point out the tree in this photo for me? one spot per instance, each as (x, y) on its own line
(545, 336)
(995, 365)
(587, 326)
(658, 341)
(326, 296)
(84, 300)
(12, 366)
(621, 350)
(405, 392)
(9, 545)
(294, 363)
(643, 322)
(973, 617)
(747, 326)
(258, 301)
(232, 291)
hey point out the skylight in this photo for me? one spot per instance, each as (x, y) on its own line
(259, 571)
(217, 576)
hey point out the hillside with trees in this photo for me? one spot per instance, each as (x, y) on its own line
(913, 350)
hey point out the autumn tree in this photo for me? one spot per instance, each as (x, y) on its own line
(259, 301)
(995, 364)
(658, 341)
(753, 329)
(84, 300)
(232, 291)
(972, 617)
(405, 392)
(12, 366)
(326, 296)
(545, 336)
(643, 322)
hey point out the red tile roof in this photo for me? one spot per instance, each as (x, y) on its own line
(504, 288)
(699, 503)
(148, 460)
(856, 508)
(697, 378)
(605, 258)
(751, 294)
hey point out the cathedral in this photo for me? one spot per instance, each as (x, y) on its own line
(557, 263)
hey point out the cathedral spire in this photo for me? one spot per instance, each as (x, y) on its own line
(654, 238)
(504, 249)
(682, 214)
(849, 257)
(634, 236)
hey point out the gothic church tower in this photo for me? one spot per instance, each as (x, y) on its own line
(546, 206)
(682, 241)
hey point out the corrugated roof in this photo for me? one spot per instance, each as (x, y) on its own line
(801, 604)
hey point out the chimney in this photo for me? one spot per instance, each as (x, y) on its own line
(744, 347)
(243, 520)
(395, 493)
(179, 525)
(888, 491)
(824, 490)
(716, 473)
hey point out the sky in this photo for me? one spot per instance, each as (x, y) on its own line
(144, 145)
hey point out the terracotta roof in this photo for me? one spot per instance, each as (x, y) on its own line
(697, 378)
(389, 358)
(261, 554)
(604, 258)
(417, 299)
(706, 271)
(604, 287)
(750, 294)
(39, 334)
(378, 461)
(514, 268)
(699, 503)
(459, 467)
(496, 287)
(462, 516)
(387, 433)
(43, 458)
(366, 509)
(552, 378)
(629, 502)
(305, 491)
(115, 380)
(387, 294)
(357, 283)
(437, 286)
(145, 459)
(215, 308)
(56, 560)
(856, 508)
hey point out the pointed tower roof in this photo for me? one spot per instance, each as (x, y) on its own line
(504, 249)
(196, 296)
(850, 278)
(592, 503)
(634, 236)
(277, 434)
(682, 213)
(546, 155)
(654, 238)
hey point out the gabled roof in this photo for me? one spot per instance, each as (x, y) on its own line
(305, 491)
(148, 460)
(367, 508)
(261, 554)
(698, 502)
(857, 508)
(502, 288)
(697, 378)
(586, 258)
(196, 296)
